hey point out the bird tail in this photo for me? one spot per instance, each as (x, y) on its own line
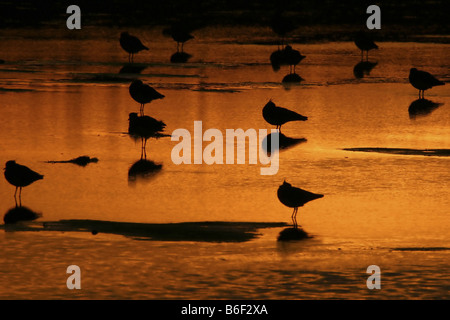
(301, 118)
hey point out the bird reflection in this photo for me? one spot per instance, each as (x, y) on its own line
(20, 213)
(180, 57)
(132, 68)
(143, 168)
(422, 107)
(293, 197)
(290, 234)
(284, 142)
(363, 68)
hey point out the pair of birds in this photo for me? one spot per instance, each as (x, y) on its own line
(133, 45)
(419, 79)
(288, 195)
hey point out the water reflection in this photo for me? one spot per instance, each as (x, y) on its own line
(180, 57)
(143, 169)
(294, 233)
(284, 142)
(363, 68)
(132, 68)
(422, 107)
(20, 213)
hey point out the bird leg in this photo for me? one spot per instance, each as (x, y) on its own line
(20, 196)
(294, 218)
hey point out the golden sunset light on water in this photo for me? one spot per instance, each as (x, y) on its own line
(241, 151)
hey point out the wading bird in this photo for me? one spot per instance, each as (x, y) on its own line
(144, 127)
(143, 94)
(293, 197)
(131, 44)
(423, 80)
(20, 176)
(364, 43)
(278, 116)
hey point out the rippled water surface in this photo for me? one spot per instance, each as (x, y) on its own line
(386, 198)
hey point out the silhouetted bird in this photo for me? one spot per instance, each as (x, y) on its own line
(423, 80)
(181, 36)
(144, 126)
(20, 176)
(293, 197)
(293, 57)
(143, 93)
(278, 116)
(364, 43)
(131, 44)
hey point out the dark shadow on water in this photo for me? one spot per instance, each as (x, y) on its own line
(363, 68)
(184, 231)
(143, 169)
(292, 234)
(422, 107)
(20, 213)
(293, 78)
(404, 151)
(132, 68)
(180, 57)
(284, 142)
(81, 161)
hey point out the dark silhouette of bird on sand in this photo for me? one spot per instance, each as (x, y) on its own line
(278, 116)
(143, 93)
(423, 80)
(293, 197)
(131, 44)
(364, 43)
(20, 176)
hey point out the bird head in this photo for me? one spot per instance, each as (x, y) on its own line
(285, 184)
(413, 70)
(9, 163)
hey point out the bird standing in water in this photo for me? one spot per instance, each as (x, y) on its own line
(364, 43)
(278, 116)
(423, 80)
(144, 127)
(131, 44)
(143, 93)
(293, 197)
(20, 176)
